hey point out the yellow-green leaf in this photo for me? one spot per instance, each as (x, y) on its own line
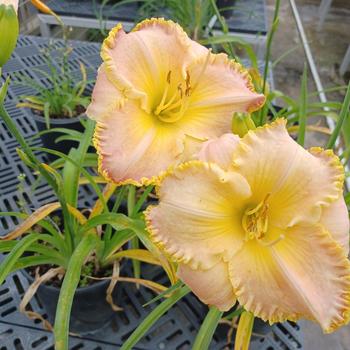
(38, 215)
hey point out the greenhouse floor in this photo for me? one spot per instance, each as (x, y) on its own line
(328, 54)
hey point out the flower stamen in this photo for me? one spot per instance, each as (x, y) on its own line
(255, 220)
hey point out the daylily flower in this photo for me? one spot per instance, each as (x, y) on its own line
(156, 86)
(262, 221)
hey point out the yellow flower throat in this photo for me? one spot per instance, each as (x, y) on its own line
(255, 222)
(172, 106)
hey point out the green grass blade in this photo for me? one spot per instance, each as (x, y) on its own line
(275, 22)
(36, 260)
(152, 317)
(173, 288)
(208, 327)
(343, 116)
(302, 109)
(11, 259)
(71, 172)
(70, 284)
(84, 172)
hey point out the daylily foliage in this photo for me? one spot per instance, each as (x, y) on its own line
(261, 221)
(154, 88)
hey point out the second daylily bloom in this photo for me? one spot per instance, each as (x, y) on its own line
(156, 86)
(262, 221)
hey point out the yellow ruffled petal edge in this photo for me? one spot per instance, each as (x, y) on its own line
(222, 58)
(168, 25)
(343, 317)
(104, 172)
(333, 161)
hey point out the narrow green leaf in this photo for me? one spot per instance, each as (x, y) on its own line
(70, 284)
(84, 171)
(343, 116)
(11, 259)
(234, 313)
(152, 317)
(115, 243)
(302, 108)
(207, 330)
(71, 172)
(36, 260)
(47, 114)
(275, 22)
(116, 220)
(171, 289)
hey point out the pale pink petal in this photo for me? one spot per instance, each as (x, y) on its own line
(198, 219)
(218, 88)
(219, 150)
(335, 219)
(306, 275)
(105, 99)
(131, 148)
(212, 287)
(296, 182)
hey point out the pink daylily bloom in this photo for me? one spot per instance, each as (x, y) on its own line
(155, 88)
(262, 221)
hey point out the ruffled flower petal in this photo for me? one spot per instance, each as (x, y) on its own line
(305, 275)
(212, 287)
(219, 150)
(335, 219)
(198, 220)
(219, 87)
(297, 182)
(105, 97)
(139, 62)
(132, 150)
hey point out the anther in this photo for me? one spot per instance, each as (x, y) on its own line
(168, 77)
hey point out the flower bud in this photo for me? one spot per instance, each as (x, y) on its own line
(242, 123)
(9, 29)
(258, 81)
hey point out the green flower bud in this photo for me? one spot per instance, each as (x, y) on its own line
(242, 123)
(9, 30)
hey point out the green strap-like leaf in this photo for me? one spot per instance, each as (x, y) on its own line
(343, 118)
(173, 288)
(11, 259)
(303, 108)
(152, 317)
(208, 327)
(71, 172)
(70, 284)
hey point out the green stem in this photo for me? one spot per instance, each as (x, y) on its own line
(302, 109)
(268, 53)
(208, 327)
(134, 241)
(344, 114)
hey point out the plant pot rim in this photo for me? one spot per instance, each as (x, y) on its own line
(58, 120)
(79, 289)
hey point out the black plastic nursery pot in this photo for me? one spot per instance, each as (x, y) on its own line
(49, 139)
(90, 310)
